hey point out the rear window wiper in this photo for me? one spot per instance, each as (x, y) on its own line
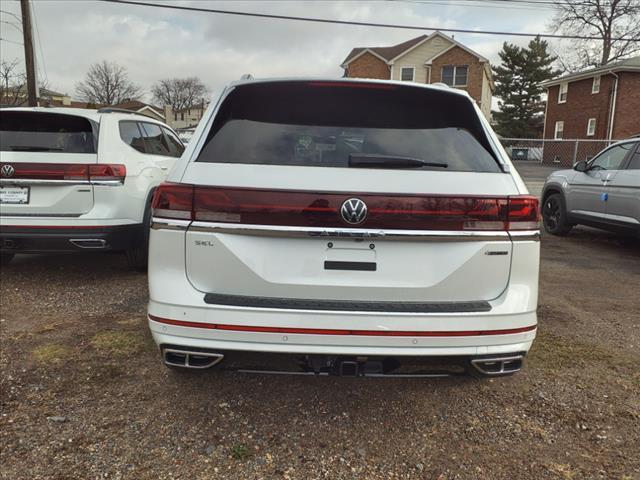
(374, 160)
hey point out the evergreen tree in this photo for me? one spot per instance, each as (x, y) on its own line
(518, 88)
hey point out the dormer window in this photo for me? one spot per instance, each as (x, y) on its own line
(562, 93)
(595, 88)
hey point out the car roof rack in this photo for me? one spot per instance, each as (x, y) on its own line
(117, 110)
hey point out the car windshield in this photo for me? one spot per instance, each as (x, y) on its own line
(306, 124)
(45, 132)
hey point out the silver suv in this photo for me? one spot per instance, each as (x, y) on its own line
(603, 192)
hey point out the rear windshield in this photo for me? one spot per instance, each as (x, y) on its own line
(324, 124)
(46, 132)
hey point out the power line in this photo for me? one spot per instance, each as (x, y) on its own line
(41, 56)
(360, 24)
(12, 14)
(12, 24)
(463, 3)
(10, 41)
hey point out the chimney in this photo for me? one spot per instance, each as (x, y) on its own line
(168, 115)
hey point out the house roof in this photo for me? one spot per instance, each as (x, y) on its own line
(386, 53)
(389, 54)
(138, 106)
(631, 64)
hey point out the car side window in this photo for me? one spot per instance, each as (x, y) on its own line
(175, 145)
(634, 164)
(156, 141)
(612, 158)
(131, 135)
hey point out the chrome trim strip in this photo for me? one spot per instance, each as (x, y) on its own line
(362, 233)
(524, 235)
(40, 182)
(169, 224)
(34, 181)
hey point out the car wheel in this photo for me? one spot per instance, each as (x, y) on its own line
(138, 256)
(554, 215)
(5, 258)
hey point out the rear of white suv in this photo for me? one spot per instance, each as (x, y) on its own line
(360, 227)
(80, 180)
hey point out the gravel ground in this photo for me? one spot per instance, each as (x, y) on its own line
(84, 395)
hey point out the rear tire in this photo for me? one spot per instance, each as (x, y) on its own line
(5, 258)
(138, 256)
(554, 215)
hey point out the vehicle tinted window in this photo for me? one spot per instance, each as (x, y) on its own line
(156, 141)
(634, 164)
(611, 159)
(175, 145)
(321, 124)
(131, 135)
(46, 132)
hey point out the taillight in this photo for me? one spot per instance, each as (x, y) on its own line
(107, 172)
(69, 171)
(523, 213)
(309, 209)
(173, 200)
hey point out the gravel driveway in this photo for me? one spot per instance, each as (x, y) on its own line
(84, 395)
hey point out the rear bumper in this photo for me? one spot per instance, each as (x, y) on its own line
(247, 330)
(67, 239)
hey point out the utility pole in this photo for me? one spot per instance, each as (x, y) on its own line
(28, 53)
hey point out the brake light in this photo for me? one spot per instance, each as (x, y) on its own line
(375, 86)
(173, 200)
(524, 213)
(310, 209)
(69, 171)
(107, 172)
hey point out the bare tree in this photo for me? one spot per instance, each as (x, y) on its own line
(609, 20)
(180, 92)
(107, 83)
(12, 83)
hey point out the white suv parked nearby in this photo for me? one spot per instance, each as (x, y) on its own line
(75, 180)
(349, 227)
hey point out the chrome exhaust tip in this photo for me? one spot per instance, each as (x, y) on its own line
(174, 357)
(88, 242)
(498, 365)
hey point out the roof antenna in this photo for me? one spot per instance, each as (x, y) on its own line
(246, 76)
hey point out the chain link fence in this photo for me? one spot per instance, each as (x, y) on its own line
(553, 153)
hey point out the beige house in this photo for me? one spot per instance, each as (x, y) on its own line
(435, 58)
(186, 117)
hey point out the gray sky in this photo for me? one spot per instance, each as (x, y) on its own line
(160, 43)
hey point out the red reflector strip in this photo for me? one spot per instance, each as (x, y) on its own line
(322, 331)
(56, 227)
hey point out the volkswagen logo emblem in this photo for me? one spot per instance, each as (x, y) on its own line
(7, 170)
(354, 211)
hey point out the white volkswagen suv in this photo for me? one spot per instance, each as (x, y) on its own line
(75, 180)
(349, 227)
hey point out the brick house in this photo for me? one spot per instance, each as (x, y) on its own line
(597, 104)
(426, 59)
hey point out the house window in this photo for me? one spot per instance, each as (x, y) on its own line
(559, 130)
(562, 93)
(407, 74)
(595, 88)
(455, 76)
(591, 127)
(182, 116)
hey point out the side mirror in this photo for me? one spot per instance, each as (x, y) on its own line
(580, 166)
